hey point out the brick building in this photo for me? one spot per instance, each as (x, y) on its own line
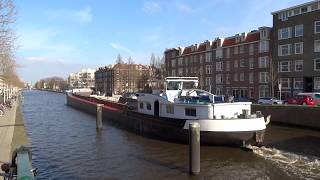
(104, 80)
(239, 65)
(121, 78)
(296, 47)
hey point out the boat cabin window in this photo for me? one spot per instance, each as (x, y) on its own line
(189, 85)
(190, 112)
(173, 85)
(141, 105)
(170, 109)
(148, 106)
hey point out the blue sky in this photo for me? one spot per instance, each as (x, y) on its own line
(59, 37)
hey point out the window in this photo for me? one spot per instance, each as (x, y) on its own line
(263, 91)
(285, 83)
(298, 30)
(208, 57)
(173, 63)
(251, 77)
(285, 50)
(241, 49)
(241, 77)
(298, 65)
(317, 45)
(219, 53)
(219, 66)
(242, 63)
(148, 106)
(317, 27)
(263, 46)
(180, 62)
(173, 72)
(263, 34)
(190, 112)
(235, 77)
(227, 78)
(227, 65)
(228, 53)
(284, 33)
(298, 83)
(317, 64)
(201, 58)
(218, 91)
(251, 63)
(141, 105)
(208, 81)
(170, 109)
(251, 49)
(284, 66)
(180, 72)
(298, 48)
(236, 50)
(235, 65)
(304, 10)
(218, 78)
(263, 77)
(316, 82)
(263, 62)
(208, 69)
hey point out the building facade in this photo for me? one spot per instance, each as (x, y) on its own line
(104, 80)
(131, 77)
(296, 48)
(83, 79)
(239, 65)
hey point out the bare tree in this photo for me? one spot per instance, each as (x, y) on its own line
(119, 59)
(152, 60)
(130, 60)
(7, 43)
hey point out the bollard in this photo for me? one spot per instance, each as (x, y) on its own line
(99, 117)
(194, 148)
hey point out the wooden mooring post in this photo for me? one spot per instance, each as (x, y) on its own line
(194, 148)
(99, 117)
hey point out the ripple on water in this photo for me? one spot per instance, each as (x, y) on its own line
(66, 145)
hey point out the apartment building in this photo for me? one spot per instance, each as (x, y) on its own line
(296, 48)
(104, 80)
(239, 65)
(83, 79)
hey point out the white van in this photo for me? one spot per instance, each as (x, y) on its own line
(314, 95)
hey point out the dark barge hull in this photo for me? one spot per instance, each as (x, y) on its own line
(168, 129)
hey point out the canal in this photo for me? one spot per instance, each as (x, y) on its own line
(66, 145)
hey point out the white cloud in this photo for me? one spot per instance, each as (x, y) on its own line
(44, 40)
(40, 59)
(184, 7)
(120, 48)
(151, 6)
(83, 15)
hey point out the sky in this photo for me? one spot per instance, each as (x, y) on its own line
(55, 38)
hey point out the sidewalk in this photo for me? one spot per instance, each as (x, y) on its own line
(7, 123)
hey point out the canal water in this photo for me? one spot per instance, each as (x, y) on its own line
(66, 145)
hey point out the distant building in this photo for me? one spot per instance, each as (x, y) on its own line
(130, 77)
(121, 78)
(83, 79)
(239, 65)
(296, 47)
(104, 80)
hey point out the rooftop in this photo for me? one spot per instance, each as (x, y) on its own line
(297, 6)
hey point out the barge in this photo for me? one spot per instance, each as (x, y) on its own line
(166, 115)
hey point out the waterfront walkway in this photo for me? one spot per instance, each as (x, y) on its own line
(7, 124)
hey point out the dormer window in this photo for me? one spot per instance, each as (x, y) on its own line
(304, 10)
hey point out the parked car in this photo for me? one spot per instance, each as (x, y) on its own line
(300, 100)
(269, 100)
(314, 95)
